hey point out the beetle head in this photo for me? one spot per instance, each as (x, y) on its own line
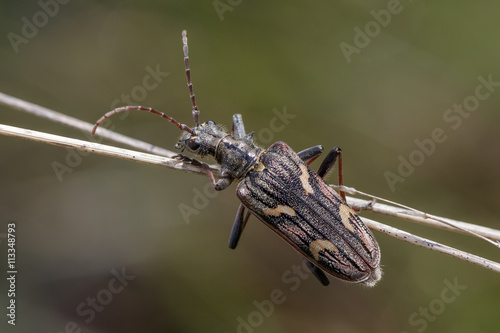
(204, 139)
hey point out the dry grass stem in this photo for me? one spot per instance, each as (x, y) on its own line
(166, 158)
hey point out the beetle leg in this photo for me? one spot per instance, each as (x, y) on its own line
(310, 154)
(238, 226)
(318, 273)
(328, 164)
(238, 129)
(220, 184)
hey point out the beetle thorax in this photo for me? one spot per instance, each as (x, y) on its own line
(237, 156)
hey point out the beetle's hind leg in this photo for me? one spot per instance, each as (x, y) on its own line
(318, 273)
(239, 224)
(310, 154)
(329, 162)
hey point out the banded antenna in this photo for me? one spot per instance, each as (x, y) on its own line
(196, 112)
(183, 127)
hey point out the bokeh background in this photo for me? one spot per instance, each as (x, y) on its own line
(109, 217)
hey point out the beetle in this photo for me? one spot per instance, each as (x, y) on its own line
(278, 187)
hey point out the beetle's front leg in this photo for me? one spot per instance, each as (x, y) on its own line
(238, 129)
(220, 184)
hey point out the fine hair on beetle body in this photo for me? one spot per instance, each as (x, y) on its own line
(277, 186)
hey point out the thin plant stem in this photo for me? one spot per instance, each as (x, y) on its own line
(61, 118)
(173, 161)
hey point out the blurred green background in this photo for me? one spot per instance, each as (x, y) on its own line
(109, 216)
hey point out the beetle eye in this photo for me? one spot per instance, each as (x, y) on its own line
(193, 144)
(210, 122)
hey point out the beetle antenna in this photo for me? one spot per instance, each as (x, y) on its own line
(142, 108)
(196, 112)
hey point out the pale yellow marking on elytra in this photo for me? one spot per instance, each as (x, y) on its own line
(319, 245)
(304, 179)
(279, 210)
(345, 214)
(260, 167)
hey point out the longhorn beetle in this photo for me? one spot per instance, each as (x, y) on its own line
(278, 187)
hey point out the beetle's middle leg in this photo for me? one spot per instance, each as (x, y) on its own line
(310, 154)
(239, 224)
(329, 162)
